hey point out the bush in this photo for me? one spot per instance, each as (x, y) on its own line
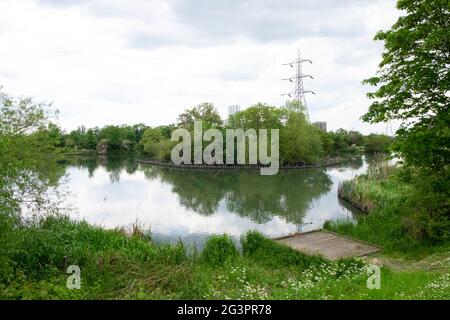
(429, 206)
(219, 250)
(8, 240)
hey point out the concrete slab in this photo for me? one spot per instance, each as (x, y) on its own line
(330, 245)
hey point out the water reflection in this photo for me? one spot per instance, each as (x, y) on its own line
(114, 190)
(113, 164)
(287, 194)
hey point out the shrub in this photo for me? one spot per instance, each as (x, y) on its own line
(219, 250)
(8, 241)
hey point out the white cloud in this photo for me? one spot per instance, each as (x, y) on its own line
(145, 61)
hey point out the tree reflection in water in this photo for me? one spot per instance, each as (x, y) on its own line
(287, 194)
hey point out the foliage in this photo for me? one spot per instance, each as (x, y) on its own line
(259, 116)
(412, 86)
(341, 142)
(115, 265)
(413, 83)
(124, 137)
(108, 259)
(205, 112)
(150, 141)
(28, 142)
(429, 205)
(377, 143)
(258, 248)
(219, 250)
(404, 216)
(156, 143)
(300, 141)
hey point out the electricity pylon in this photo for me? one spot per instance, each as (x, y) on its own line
(299, 91)
(389, 130)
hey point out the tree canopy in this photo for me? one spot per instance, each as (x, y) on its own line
(28, 142)
(413, 82)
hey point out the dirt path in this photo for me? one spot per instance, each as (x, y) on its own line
(435, 262)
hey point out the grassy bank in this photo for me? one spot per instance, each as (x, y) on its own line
(403, 214)
(116, 265)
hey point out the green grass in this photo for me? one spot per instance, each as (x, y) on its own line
(268, 253)
(369, 193)
(394, 216)
(115, 265)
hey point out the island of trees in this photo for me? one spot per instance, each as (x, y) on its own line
(300, 141)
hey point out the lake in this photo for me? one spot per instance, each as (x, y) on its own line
(113, 191)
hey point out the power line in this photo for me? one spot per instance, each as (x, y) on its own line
(299, 91)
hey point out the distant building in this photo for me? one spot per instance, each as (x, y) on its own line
(233, 109)
(321, 125)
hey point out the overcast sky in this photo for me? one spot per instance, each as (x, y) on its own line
(131, 61)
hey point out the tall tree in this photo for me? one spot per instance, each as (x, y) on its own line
(27, 163)
(259, 116)
(205, 112)
(413, 82)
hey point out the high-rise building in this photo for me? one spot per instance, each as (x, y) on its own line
(321, 125)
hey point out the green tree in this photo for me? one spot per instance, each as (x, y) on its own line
(356, 138)
(413, 82)
(79, 137)
(28, 141)
(92, 137)
(300, 141)
(55, 134)
(113, 135)
(205, 112)
(139, 130)
(166, 131)
(327, 141)
(377, 143)
(156, 142)
(150, 141)
(259, 116)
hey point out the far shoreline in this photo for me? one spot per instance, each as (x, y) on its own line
(226, 167)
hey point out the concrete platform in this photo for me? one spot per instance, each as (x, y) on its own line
(330, 245)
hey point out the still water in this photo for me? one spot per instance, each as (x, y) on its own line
(115, 191)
